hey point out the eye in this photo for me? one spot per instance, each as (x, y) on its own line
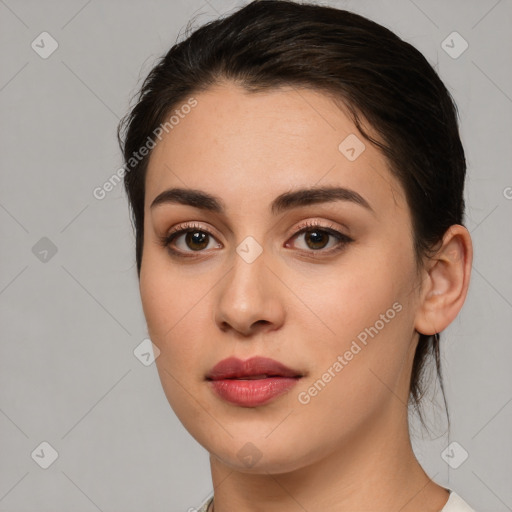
(189, 238)
(316, 238)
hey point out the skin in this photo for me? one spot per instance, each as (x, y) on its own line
(349, 447)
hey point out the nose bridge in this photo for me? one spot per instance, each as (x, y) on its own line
(246, 284)
(248, 296)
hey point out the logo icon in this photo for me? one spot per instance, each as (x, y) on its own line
(146, 352)
(249, 455)
(44, 250)
(454, 45)
(44, 45)
(454, 455)
(45, 455)
(351, 147)
(249, 249)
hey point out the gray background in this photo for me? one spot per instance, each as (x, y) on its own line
(71, 320)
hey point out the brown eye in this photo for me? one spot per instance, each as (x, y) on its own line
(196, 240)
(316, 239)
(188, 239)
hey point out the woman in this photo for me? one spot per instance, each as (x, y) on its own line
(296, 180)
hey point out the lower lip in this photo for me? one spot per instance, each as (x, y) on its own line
(251, 393)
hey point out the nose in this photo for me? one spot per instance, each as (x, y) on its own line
(249, 299)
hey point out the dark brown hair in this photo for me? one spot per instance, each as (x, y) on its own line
(382, 81)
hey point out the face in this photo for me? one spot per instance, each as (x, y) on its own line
(322, 283)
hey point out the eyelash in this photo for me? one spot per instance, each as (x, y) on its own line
(188, 227)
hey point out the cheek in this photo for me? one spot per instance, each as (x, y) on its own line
(175, 304)
(165, 294)
(365, 313)
(161, 304)
(172, 306)
(352, 296)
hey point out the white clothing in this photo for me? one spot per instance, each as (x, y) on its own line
(456, 504)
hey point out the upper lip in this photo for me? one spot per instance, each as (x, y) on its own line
(232, 368)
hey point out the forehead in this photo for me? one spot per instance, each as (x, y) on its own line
(250, 147)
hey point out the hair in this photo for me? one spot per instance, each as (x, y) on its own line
(378, 78)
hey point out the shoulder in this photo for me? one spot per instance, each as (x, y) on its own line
(456, 504)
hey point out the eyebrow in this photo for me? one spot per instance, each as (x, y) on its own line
(283, 202)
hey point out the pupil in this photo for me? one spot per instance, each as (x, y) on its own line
(319, 239)
(196, 237)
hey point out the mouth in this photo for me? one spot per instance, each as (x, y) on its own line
(251, 383)
(250, 369)
(255, 377)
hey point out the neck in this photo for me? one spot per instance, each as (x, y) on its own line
(376, 469)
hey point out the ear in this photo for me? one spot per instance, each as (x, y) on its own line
(446, 282)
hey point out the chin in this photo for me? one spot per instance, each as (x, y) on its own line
(256, 454)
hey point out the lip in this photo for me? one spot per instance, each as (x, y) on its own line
(233, 368)
(253, 382)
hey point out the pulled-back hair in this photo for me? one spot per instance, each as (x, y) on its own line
(380, 80)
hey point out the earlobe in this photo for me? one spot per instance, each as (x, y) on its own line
(448, 281)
